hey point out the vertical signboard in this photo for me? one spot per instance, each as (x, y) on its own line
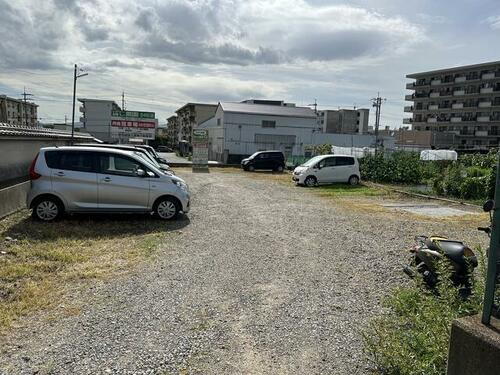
(200, 150)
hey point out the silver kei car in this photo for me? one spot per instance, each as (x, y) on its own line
(92, 179)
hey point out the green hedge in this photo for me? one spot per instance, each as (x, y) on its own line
(470, 177)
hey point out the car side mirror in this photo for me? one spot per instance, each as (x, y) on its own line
(140, 173)
(488, 205)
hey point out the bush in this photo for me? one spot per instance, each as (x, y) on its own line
(412, 337)
(398, 167)
(471, 182)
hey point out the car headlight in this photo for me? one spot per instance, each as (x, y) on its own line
(181, 185)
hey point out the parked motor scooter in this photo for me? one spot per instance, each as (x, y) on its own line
(427, 251)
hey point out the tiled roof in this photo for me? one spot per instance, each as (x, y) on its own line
(26, 131)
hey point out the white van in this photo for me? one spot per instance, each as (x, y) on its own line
(326, 169)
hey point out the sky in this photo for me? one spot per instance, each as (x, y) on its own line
(163, 54)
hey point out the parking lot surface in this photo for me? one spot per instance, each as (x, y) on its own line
(265, 278)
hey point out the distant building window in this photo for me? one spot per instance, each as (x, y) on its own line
(218, 122)
(322, 121)
(268, 124)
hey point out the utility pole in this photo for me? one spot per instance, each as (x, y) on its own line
(377, 103)
(25, 95)
(75, 77)
(315, 105)
(123, 100)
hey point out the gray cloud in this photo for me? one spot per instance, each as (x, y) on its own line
(114, 63)
(339, 45)
(27, 44)
(145, 19)
(201, 52)
(187, 32)
(223, 94)
(94, 33)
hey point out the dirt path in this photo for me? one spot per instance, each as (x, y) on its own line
(265, 279)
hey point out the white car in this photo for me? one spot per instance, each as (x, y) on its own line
(326, 169)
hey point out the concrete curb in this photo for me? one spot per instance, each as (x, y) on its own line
(433, 197)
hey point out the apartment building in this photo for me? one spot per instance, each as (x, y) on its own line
(17, 112)
(189, 116)
(461, 105)
(344, 121)
(172, 131)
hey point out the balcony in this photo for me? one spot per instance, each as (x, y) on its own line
(483, 118)
(407, 121)
(484, 104)
(488, 76)
(460, 79)
(435, 82)
(457, 105)
(481, 133)
(82, 120)
(81, 109)
(432, 119)
(434, 95)
(456, 119)
(408, 108)
(409, 97)
(432, 107)
(410, 86)
(486, 90)
(458, 92)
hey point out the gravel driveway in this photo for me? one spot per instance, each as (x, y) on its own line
(263, 279)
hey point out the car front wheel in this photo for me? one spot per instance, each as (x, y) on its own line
(167, 209)
(310, 181)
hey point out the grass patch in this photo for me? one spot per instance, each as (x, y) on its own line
(41, 260)
(412, 337)
(344, 190)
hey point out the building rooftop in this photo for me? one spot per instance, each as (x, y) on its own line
(453, 69)
(96, 100)
(5, 97)
(200, 104)
(270, 110)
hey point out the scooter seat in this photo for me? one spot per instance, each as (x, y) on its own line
(452, 249)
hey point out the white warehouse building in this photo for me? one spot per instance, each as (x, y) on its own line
(240, 129)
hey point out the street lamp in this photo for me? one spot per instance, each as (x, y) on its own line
(75, 77)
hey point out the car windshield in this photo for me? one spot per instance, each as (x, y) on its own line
(312, 161)
(254, 155)
(146, 158)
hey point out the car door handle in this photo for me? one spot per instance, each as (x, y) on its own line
(60, 173)
(106, 179)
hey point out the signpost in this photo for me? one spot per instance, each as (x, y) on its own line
(491, 303)
(200, 150)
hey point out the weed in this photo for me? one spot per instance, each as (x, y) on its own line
(412, 337)
(45, 259)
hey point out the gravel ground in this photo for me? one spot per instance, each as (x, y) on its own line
(263, 279)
